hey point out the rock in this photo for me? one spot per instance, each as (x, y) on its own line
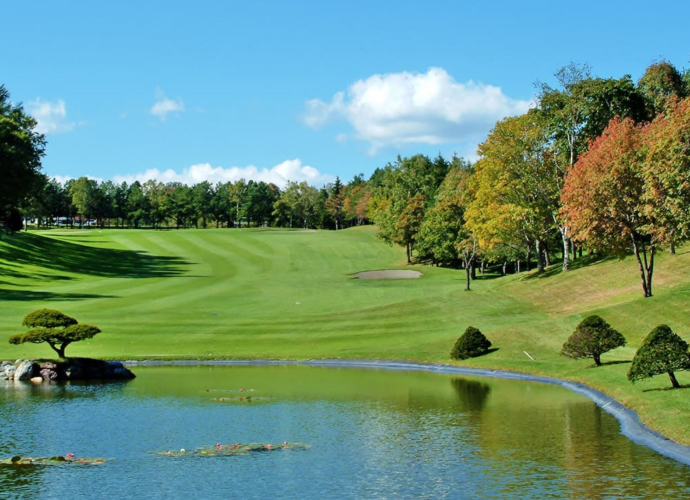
(8, 372)
(48, 374)
(70, 369)
(36, 380)
(26, 370)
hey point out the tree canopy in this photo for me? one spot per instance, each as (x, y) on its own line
(662, 351)
(592, 338)
(21, 151)
(54, 328)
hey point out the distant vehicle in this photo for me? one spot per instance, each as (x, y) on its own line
(62, 221)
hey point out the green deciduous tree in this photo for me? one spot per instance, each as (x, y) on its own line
(21, 150)
(660, 85)
(403, 193)
(54, 328)
(85, 197)
(662, 351)
(592, 338)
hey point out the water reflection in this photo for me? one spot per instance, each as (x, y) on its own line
(472, 393)
(372, 433)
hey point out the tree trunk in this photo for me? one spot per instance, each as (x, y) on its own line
(597, 359)
(566, 248)
(674, 381)
(473, 273)
(467, 276)
(540, 257)
(409, 252)
(646, 267)
(505, 264)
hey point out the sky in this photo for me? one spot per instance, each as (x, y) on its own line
(302, 90)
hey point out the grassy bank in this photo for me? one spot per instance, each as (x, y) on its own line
(255, 294)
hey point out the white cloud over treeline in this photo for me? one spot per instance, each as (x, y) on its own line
(408, 108)
(289, 170)
(51, 117)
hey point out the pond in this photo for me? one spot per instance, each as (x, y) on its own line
(368, 434)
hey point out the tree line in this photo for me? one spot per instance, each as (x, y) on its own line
(158, 205)
(597, 164)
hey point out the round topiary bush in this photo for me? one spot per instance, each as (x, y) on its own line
(592, 338)
(472, 343)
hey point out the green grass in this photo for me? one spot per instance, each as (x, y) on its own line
(263, 294)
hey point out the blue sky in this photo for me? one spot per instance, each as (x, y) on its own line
(301, 90)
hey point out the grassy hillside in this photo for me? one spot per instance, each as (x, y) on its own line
(291, 295)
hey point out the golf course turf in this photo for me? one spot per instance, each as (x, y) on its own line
(263, 294)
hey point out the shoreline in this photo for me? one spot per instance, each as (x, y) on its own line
(631, 427)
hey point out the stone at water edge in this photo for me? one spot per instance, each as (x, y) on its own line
(26, 370)
(36, 380)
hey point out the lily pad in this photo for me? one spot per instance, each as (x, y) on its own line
(68, 459)
(224, 450)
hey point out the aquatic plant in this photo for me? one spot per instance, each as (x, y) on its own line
(220, 450)
(68, 459)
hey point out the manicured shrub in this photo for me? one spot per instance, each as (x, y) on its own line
(592, 338)
(54, 328)
(661, 352)
(472, 343)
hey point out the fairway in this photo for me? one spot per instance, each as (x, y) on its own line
(265, 294)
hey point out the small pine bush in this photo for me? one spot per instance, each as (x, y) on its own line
(662, 351)
(471, 344)
(592, 338)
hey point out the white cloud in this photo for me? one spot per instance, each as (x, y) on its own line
(62, 179)
(429, 108)
(51, 117)
(164, 106)
(289, 170)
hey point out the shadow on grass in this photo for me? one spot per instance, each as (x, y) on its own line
(622, 362)
(67, 256)
(661, 389)
(557, 266)
(29, 295)
(489, 351)
(488, 276)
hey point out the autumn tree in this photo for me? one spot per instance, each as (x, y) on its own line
(515, 188)
(53, 328)
(356, 203)
(662, 351)
(666, 175)
(576, 112)
(603, 198)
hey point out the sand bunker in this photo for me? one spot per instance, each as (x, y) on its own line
(391, 274)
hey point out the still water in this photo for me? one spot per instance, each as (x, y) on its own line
(371, 434)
